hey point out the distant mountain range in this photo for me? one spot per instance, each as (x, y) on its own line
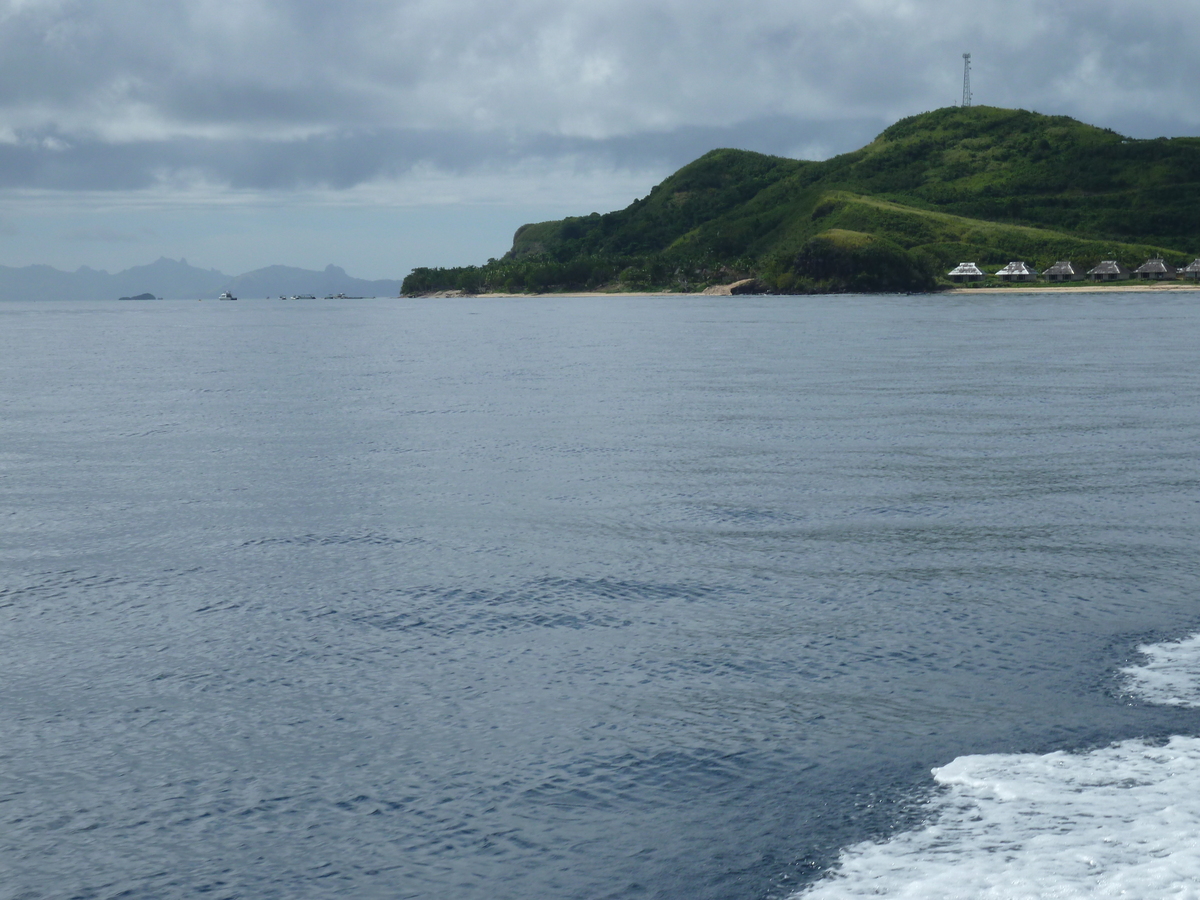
(175, 279)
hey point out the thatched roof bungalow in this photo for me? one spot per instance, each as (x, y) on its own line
(1063, 270)
(1108, 270)
(1155, 269)
(966, 271)
(1017, 271)
(1192, 269)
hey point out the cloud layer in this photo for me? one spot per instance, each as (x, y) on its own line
(279, 94)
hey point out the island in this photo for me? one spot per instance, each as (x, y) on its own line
(992, 186)
(139, 297)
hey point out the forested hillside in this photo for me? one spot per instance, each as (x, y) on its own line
(982, 184)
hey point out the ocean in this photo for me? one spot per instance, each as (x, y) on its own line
(624, 597)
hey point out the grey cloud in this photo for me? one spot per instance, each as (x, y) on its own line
(348, 159)
(281, 93)
(107, 235)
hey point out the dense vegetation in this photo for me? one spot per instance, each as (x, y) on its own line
(982, 184)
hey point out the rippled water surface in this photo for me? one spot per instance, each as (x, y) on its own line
(554, 598)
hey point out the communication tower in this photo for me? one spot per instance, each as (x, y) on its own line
(966, 79)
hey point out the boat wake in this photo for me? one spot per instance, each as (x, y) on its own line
(1170, 676)
(1122, 821)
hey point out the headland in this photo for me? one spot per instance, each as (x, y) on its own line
(979, 183)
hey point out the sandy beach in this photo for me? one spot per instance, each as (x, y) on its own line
(1076, 287)
(1039, 287)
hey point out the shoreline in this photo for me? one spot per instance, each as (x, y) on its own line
(1036, 288)
(1075, 287)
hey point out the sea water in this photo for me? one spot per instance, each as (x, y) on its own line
(668, 597)
(1118, 821)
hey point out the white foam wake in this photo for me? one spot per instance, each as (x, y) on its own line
(1170, 676)
(1123, 821)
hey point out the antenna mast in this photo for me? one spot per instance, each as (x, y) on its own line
(966, 79)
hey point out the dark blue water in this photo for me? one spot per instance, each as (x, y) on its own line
(584, 598)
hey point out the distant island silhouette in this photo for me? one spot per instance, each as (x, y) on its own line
(176, 280)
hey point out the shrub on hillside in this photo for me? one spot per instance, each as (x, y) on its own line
(851, 261)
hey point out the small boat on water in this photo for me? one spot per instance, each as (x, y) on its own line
(304, 297)
(225, 295)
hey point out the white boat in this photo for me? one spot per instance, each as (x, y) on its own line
(225, 295)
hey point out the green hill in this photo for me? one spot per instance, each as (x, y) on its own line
(979, 183)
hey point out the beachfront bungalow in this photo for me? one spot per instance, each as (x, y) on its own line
(1156, 270)
(968, 271)
(1017, 271)
(1108, 270)
(1063, 270)
(1191, 270)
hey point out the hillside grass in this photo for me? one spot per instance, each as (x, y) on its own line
(981, 184)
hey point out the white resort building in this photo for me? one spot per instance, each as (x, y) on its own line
(1063, 270)
(1108, 270)
(966, 271)
(1017, 271)
(1155, 269)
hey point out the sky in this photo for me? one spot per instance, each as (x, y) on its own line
(380, 135)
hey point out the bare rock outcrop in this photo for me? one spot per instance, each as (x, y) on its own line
(745, 286)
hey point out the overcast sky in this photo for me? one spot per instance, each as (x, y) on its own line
(384, 134)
